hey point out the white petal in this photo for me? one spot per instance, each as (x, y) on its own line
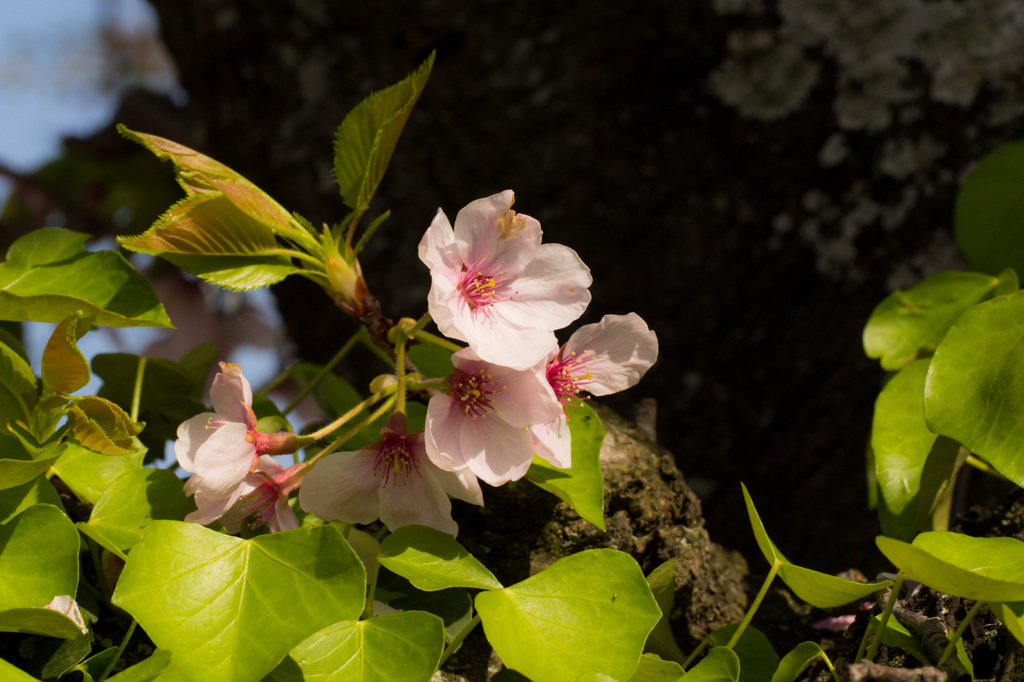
(231, 394)
(437, 248)
(621, 347)
(342, 487)
(461, 484)
(553, 443)
(224, 460)
(494, 451)
(443, 424)
(283, 518)
(416, 500)
(69, 607)
(525, 397)
(192, 433)
(497, 341)
(552, 292)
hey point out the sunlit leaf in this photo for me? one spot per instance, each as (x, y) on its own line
(134, 500)
(47, 276)
(148, 669)
(17, 385)
(40, 621)
(432, 560)
(720, 665)
(818, 589)
(661, 641)
(654, 669)
(212, 599)
(18, 498)
(989, 214)
(796, 661)
(587, 612)
(367, 137)
(988, 569)
(757, 656)
(897, 635)
(65, 369)
(402, 647)
(908, 321)
(102, 426)
(89, 473)
(581, 486)
(973, 393)
(39, 559)
(22, 458)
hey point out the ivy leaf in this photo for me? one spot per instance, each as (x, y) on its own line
(757, 657)
(818, 589)
(40, 558)
(24, 458)
(587, 612)
(906, 322)
(89, 473)
(39, 621)
(988, 220)
(432, 560)
(47, 276)
(904, 449)
(401, 647)
(654, 669)
(972, 393)
(987, 569)
(17, 499)
(367, 137)
(231, 609)
(796, 661)
(581, 486)
(17, 384)
(65, 369)
(661, 640)
(720, 665)
(102, 426)
(134, 500)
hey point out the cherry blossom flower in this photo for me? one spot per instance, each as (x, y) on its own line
(261, 497)
(67, 605)
(223, 447)
(480, 423)
(496, 287)
(601, 358)
(391, 479)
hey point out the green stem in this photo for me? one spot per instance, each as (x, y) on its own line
(120, 650)
(436, 340)
(361, 244)
(354, 430)
(423, 322)
(894, 595)
(400, 371)
(368, 608)
(982, 465)
(457, 641)
(696, 652)
(324, 371)
(753, 607)
(951, 647)
(828, 664)
(351, 230)
(320, 433)
(98, 567)
(137, 393)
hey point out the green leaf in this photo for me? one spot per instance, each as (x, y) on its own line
(39, 559)
(588, 612)
(402, 647)
(1012, 615)
(209, 236)
(720, 665)
(102, 426)
(818, 589)
(170, 393)
(94, 666)
(368, 135)
(432, 560)
(44, 279)
(987, 569)
(973, 393)
(453, 606)
(796, 661)
(89, 473)
(17, 385)
(989, 214)
(897, 635)
(757, 657)
(17, 499)
(134, 500)
(653, 669)
(39, 621)
(231, 609)
(65, 369)
(10, 673)
(904, 449)
(431, 360)
(906, 322)
(661, 641)
(581, 486)
(146, 670)
(23, 458)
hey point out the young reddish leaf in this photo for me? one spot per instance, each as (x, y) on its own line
(65, 369)
(102, 426)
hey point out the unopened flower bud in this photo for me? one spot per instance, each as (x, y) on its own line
(382, 382)
(282, 443)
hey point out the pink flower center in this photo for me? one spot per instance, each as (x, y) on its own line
(261, 504)
(394, 456)
(482, 289)
(568, 376)
(473, 391)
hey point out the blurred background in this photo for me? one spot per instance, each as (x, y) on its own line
(750, 176)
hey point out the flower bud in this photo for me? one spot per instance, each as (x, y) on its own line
(382, 382)
(347, 286)
(282, 443)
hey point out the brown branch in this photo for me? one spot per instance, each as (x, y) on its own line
(866, 670)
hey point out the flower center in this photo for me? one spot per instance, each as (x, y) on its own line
(482, 289)
(569, 375)
(260, 504)
(395, 457)
(473, 391)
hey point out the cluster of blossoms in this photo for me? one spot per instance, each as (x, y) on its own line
(497, 288)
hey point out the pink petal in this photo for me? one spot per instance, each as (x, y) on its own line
(551, 293)
(461, 484)
(192, 433)
(495, 451)
(231, 394)
(284, 518)
(526, 398)
(444, 423)
(476, 226)
(416, 500)
(497, 341)
(553, 442)
(66, 604)
(438, 250)
(224, 460)
(342, 487)
(622, 349)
